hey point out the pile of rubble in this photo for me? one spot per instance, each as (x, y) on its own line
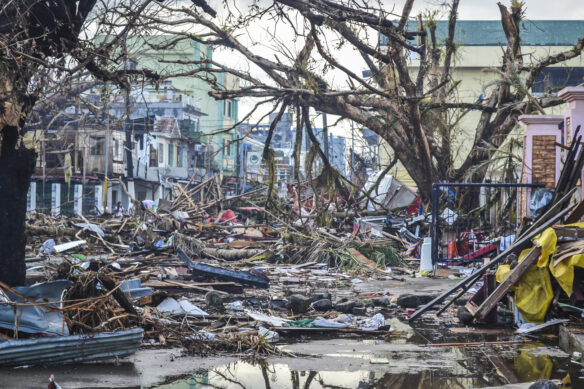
(214, 274)
(208, 273)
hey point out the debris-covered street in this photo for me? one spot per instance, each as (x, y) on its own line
(209, 291)
(291, 194)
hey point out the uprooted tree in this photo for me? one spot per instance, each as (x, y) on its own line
(415, 112)
(50, 48)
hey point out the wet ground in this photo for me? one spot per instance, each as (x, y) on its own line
(330, 363)
(379, 364)
(351, 362)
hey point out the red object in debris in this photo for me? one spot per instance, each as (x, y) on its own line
(227, 215)
(482, 252)
(410, 311)
(452, 250)
(414, 207)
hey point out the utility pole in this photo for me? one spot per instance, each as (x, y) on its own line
(238, 163)
(128, 132)
(352, 143)
(325, 133)
(44, 164)
(106, 159)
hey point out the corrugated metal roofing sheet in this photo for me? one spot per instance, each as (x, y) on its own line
(70, 349)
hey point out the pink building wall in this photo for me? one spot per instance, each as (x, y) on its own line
(547, 125)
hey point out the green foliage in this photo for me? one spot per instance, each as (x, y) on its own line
(382, 256)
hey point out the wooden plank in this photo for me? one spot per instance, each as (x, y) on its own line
(567, 250)
(471, 307)
(569, 232)
(512, 279)
(576, 214)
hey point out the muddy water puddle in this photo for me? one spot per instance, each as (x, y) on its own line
(470, 367)
(403, 361)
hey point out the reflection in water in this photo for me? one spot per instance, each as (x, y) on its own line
(530, 367)
(475, 367)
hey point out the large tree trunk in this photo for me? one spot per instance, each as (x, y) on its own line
(16, 168)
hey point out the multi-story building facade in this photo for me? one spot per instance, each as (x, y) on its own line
(479, 47)
(174, 131)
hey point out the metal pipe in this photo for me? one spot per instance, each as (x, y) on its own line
(325, 134)
(106, 158)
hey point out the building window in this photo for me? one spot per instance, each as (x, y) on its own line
(153, 157)
(226, 148)
(228, 108)
(170, 154)
(116, 148)
(160, 154)
(553, 79)
(179, 156)
(96, 145)
(131, 64)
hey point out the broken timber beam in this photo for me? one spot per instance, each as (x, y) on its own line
(522, 243)
(569, 232)
(513, 278)
(111, 284)
(575, 216)
(516, 274)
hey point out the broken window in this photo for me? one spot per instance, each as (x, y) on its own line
(96, 145)
(555, 78)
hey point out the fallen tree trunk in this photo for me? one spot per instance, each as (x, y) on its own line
(51, 231)
(232, 254)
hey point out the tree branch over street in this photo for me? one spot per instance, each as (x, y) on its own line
(413, 105)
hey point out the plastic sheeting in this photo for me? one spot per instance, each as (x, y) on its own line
(539, 200)
(533, 292)
(563, 272)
